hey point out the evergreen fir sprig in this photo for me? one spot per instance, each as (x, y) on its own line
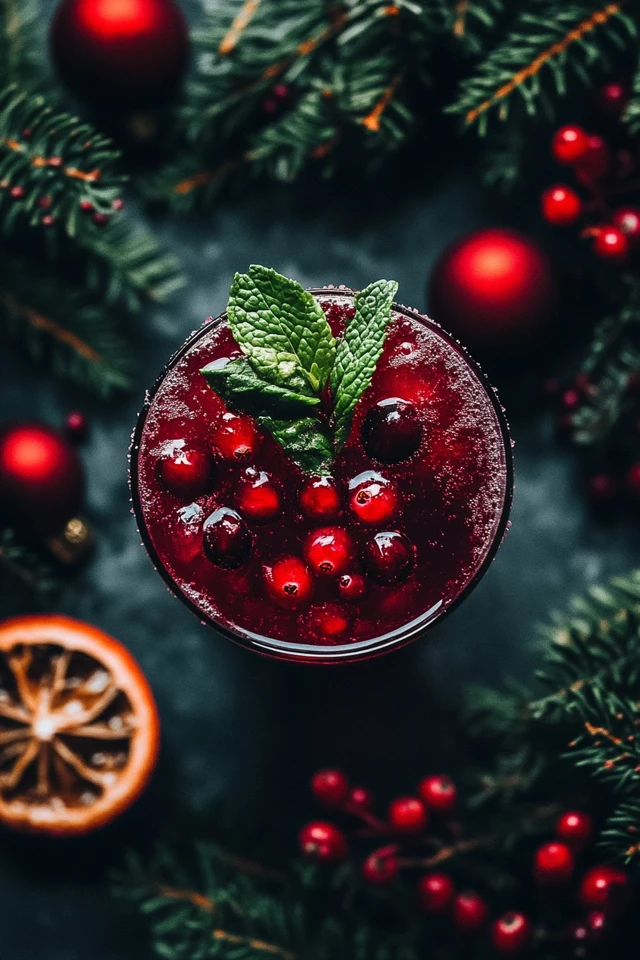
(24, 574)
(632, 114)
(473, 22)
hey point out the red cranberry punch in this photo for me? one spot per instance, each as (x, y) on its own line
(320, 475)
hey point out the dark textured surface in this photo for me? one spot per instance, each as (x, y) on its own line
(243, 731)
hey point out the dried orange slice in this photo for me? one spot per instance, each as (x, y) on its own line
(79, 727)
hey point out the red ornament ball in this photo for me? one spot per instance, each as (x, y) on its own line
(407, 815)
(494, 287)
(611, 244)
(380, 868)
(330, 787)
(511, 933)
(603, 887)
(470, 912)
(553, 863)
(569, 145)
(323, 841)
(41, 478)
(120, 53)
(438, 793)
(435, 892)
(561, 205)
(627, 219)
(574, 827)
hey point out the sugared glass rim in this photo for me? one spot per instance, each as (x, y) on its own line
(314, 653)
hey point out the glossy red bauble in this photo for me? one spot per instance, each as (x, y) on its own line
(574, 827)
(553, 863)
(41, 478)
(604, 887)
(611, 244)
(330, 787)
(561, 205)
(435, 892)
(407, 815)
(511, 933)
(438, 793)
(569, 145)
(323, 841)
(494, 288)
(470, 912)
(120, 53)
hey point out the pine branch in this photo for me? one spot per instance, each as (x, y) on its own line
(532, 66)
(608, 747)
(632, 115)
(473, 23)
(620, 838)
(24, 575)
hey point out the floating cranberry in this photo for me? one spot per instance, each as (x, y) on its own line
(373, 498)
(627, 219)
(407, 815)
(569, 145)
(323, 841)
(438, 793)
(227, 539)
(611, 244)
(604, 887)
(511, 933)
(235, 437)
(553, 863)
(392, 430)
(327, 623)
(360, 799)
(435, 892)
(574, 828)
(289, 582)
(380, 868)
(186, 471)
(330, 787)
(329, 551)
(258, 497)
(470, 912)
(351, 586)
(319, 498)
(388, 556)
(561, 205)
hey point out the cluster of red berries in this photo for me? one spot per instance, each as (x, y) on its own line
(602, 889)
(599, 172)
(18, 192)
(277, 99)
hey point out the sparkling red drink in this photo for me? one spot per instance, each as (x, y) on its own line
(335, 568)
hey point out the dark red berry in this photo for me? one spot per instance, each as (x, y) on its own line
(235, 437)
(44, 203)
(388, 556)
(289, 582)
(100, 219)
(571, 399)
(323, 841)
(627, 219)
(569, 145)
(603, 887)
(327, 623)
(86, 206)
(258, 497)
(470, 912)
(186, 471)
(75, 425)
(330, 787)
(611, 244)
(392, 430)
(574, 828)
(380, 868)
(54, 161)
(27, 132)
(602, 488)
(613, 98)
(351, 586)
(632, 481)
(407, 815)
(373, 498)
(561, 206)
(281, 91)
(435, 892)
(47, 220)
(227, 539)
(360, 799)
(511, 933)
(17, 192)
(319, 498)
(438, 793)
(329, 551)
(553, 863)
(117, 204)
(595, 163)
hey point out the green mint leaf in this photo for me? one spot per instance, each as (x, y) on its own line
(304, 441)
(238, 383)
(282, 329)
(358, 352)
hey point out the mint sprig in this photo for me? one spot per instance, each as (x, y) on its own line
(291, 356)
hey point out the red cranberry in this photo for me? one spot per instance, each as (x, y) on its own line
(407, 815)
(380, 868)
(392, 430)
(569, 145)
(17, 192)
(227, 539)
(595, 163)
(289, 582)
(575, 829)
(388, 556)
(561, 206)
(435, 892)
(100, 219)
(372, 498)
(329, 551)
(235, 437)
(611, 244)
(627, 219)
(323, 841)
(438, 793)
(258, 497)
(186, 471)
(603, 887)
(327, 622)
(319, 499)
(76, 425)
(360, 799)
(553, 863)
(351, 586)
(469, 912)
(511, 933)
(86, 206)
(330, 787)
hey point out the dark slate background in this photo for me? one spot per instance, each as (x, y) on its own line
(241, 732)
